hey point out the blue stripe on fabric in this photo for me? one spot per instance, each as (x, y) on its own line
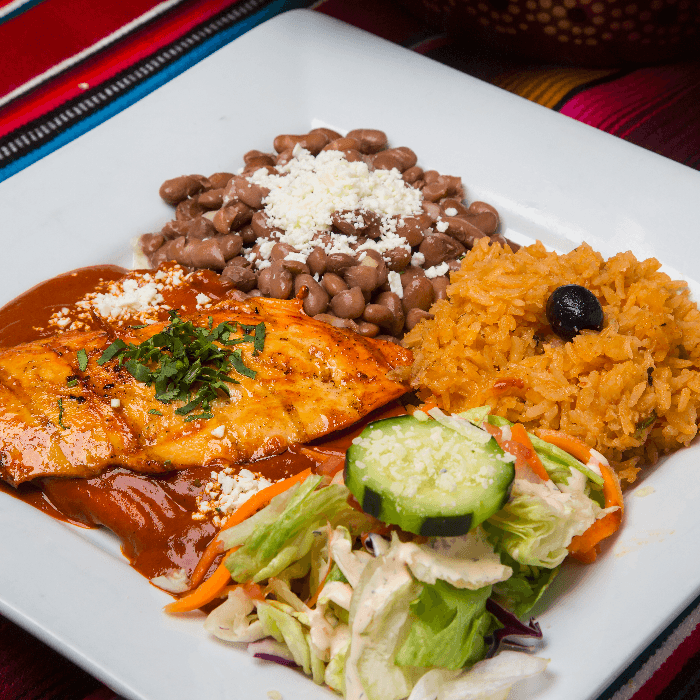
(205, 49)
(20, 10)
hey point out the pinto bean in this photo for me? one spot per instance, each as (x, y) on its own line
(248, 235)
(232, 217)
(177, 189)
(414, 316)
(374, 259)
(433, 191)
(172, 250)
(392, 302)
(205, 254)
(249, 193)
(352, 156)
(379, 315)
(258, 156)
(439, 248)
(335, 321)
(317, 298)
(230, 245)
(478, 207)
(188, 209)
(417, 293)
(199, 228)
(440, 285)
(332, 135)
(261, 227)
(400, 158)
(334, 284)
(312, 142)
(368, 330)
(349, 303)
(296, 267)
(413, 228)
(338, 262)
(463, 231)
(218, 180)
(371, 140)
(485, 221)
(449, 203)
(317, 261)
(150, 242)
(241, 277)
(362, 276)
(281, 281)
(212, 199)
(412, 175)
(343, 144)
(432, 210)
(281, 250)
(398, 258)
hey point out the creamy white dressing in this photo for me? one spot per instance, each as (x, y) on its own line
(351, 563)
(466, 562)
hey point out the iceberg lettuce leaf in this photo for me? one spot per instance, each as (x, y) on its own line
(448, 628)
(537, 524)
(272, 547)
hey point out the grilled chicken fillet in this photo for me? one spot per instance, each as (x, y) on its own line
(310, 379)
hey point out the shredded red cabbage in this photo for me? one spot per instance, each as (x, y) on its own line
(271, 650)
(512, 627)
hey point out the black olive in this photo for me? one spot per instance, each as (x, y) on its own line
(572, 308)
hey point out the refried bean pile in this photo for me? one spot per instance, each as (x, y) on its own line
(367, 232)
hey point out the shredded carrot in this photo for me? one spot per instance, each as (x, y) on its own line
(204, 593)
(428, 406)
(327, 464)
(250, 507)
(314, 598)
(585, 547)
(262, 498)
(575, 447)
(519, 434)
(519, 445)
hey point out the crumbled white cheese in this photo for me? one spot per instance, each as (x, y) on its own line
(115, 403)
(132, 298)
(437, 270)
(309, 189)
(441, 226)
(219, 431)
(417, 259)
(226, 491)
(395, 285)
(137, 298)
(451, 211)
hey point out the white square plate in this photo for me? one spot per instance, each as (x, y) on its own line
(550, 177)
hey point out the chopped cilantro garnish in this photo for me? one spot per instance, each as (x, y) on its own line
(155, 412)
(188, 363)
(112, 351)
(82, 359)
(60, 415)
(72, 382)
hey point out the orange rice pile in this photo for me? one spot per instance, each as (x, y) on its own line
(631, 391)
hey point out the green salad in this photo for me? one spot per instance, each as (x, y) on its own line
(408, 574)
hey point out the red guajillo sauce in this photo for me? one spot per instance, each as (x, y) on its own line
(151, 514)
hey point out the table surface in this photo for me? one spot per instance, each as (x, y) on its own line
(100, 63)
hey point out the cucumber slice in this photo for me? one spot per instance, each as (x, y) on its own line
(427, 478)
